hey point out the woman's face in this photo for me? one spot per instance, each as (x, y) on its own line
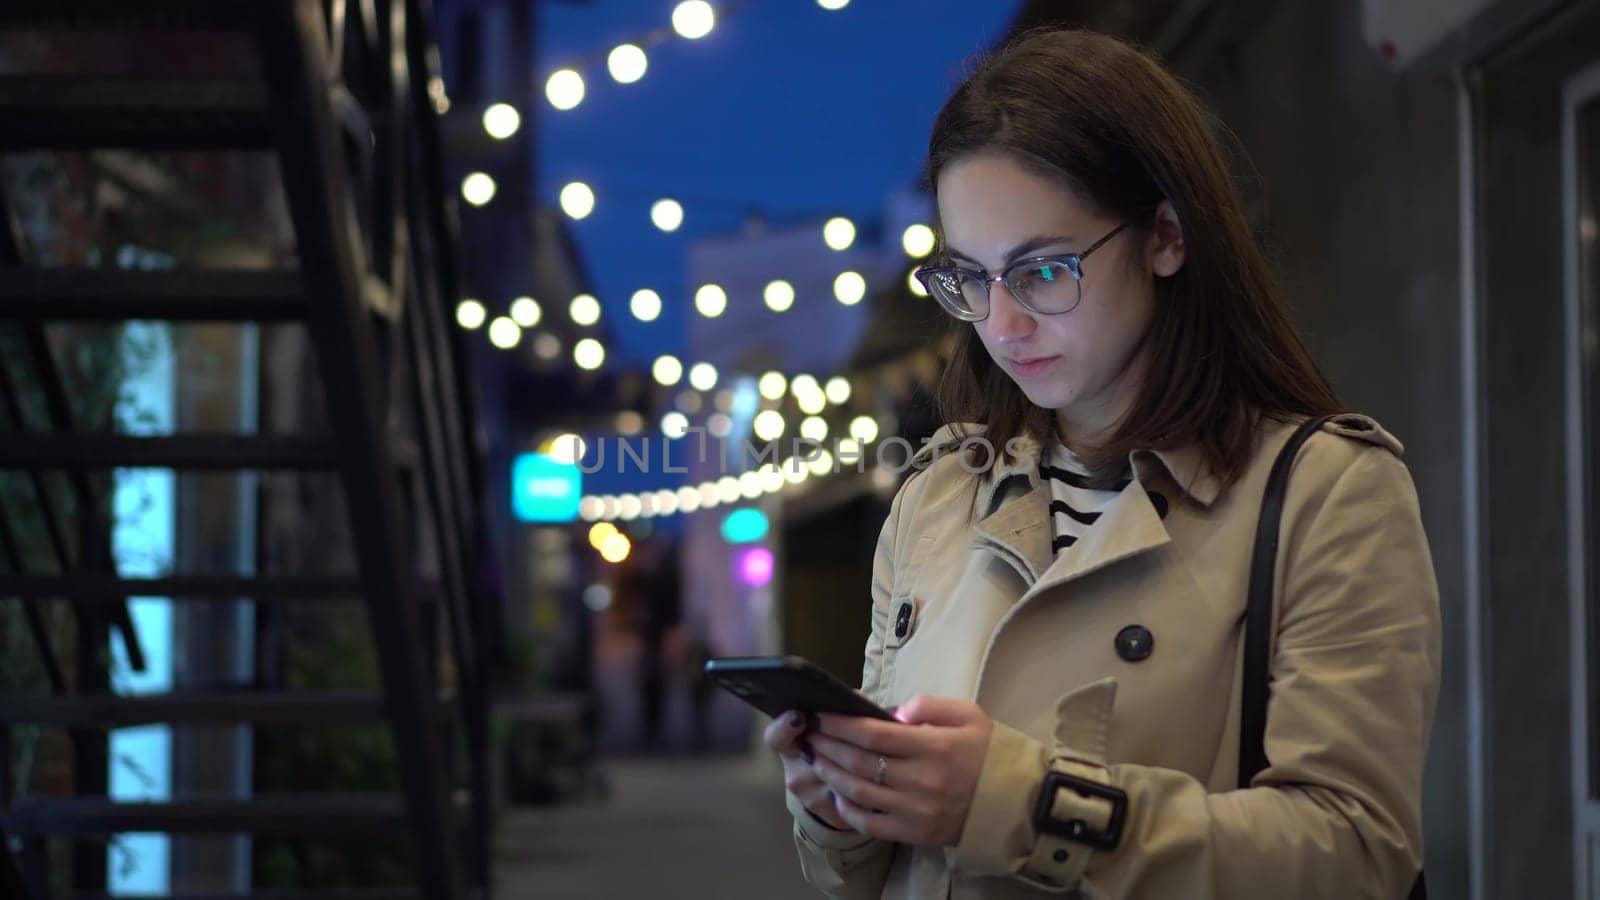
(1084, 364)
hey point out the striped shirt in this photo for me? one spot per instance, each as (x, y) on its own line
(1074, 506)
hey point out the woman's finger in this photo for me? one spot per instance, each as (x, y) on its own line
(783, 734)
(876, 798)
(863, 763)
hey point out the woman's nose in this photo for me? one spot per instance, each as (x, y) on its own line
(1008, 320)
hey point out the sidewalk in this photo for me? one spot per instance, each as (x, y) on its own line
(700, 827)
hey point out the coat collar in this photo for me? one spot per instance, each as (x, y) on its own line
(1186, 465)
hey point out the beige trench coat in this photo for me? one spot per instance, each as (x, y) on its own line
(1033, 641)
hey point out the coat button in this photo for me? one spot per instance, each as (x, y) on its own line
(902, 620)
(1135, 643)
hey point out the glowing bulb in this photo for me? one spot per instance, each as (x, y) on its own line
(832, 5)
(667, 370)
(667, 214)
(584, 309)
(629, 422)
(751, 485)
(470, 314)
(547, 347)
(803, 384)
(771, 478)
(688, 498)
(814, 428)
(564, 89)
(768, 425)
(629, 507)
(674, 424)
(838, 390)
(627, 63)
(567, 448)
(849, 287)
(864, 429)
(719, 425)
(839, 233)
(728, 489)
(599, 531)
(772, 385)
(577, 200)
(589, 509)
(702, 376)
(710, 300)
(694, 19)
(917, 289)
(794, 470)
(525, 311)
(917, 240)
(588, 354)
(812, 402)
(645, 305)
(823, 464)
(477, 188)
(616, 547)
(504, 333)
(501, 121)
(779, 295)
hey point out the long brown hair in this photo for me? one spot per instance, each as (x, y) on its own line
(1123, 134)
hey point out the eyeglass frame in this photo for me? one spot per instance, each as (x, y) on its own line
(1073, 262)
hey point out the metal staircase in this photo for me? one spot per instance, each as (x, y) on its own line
(344, 105)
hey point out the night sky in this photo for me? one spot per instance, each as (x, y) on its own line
(785, 108)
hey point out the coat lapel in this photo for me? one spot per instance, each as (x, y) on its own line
(1129, 526)
(1019, 531)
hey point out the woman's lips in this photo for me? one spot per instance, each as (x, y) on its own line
(1033, 366)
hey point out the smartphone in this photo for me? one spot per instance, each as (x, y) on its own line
(777, 684)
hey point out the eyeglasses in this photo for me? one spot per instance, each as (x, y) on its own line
(1046, 285)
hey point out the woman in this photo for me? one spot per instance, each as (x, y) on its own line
(1060, 631)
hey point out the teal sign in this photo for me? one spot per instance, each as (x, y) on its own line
(545, 490)
(744, 525)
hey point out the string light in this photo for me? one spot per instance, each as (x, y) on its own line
(584, 309)
(838, 390)
(849, 288)
(501, 121)
(470, 314)
(864, 429)
(666, 214)
(589, 354)
(564, 89)
(703, 376)
(667, 370)
(832, 5)
(566, 448)
(577, 200)
(629, 422)
(814, 428)
(772, 385)
(674, 424)
(917, 240)
(778, 295)
(525, 311)
(768, 425)
(615, 548)
(547, 347)
(477, 188)
(627, 63)
(917, 290)
(504, 333)
(645, 305)
(839, 233)
(710, 300)
(693, 19)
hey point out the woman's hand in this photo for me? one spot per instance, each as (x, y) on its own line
(786, 735)
(931, 768)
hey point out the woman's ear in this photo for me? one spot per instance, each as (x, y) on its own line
(1164, 250)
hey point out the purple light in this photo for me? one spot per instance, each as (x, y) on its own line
(754, 566)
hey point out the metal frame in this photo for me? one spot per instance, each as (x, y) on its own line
(1578, 90)
(346, 107)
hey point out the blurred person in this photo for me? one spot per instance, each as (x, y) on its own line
(1058, 594)
(654, 586)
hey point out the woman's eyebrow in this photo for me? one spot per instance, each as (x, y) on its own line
(1015, 253)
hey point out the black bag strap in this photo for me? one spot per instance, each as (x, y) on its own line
(1258, 620)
